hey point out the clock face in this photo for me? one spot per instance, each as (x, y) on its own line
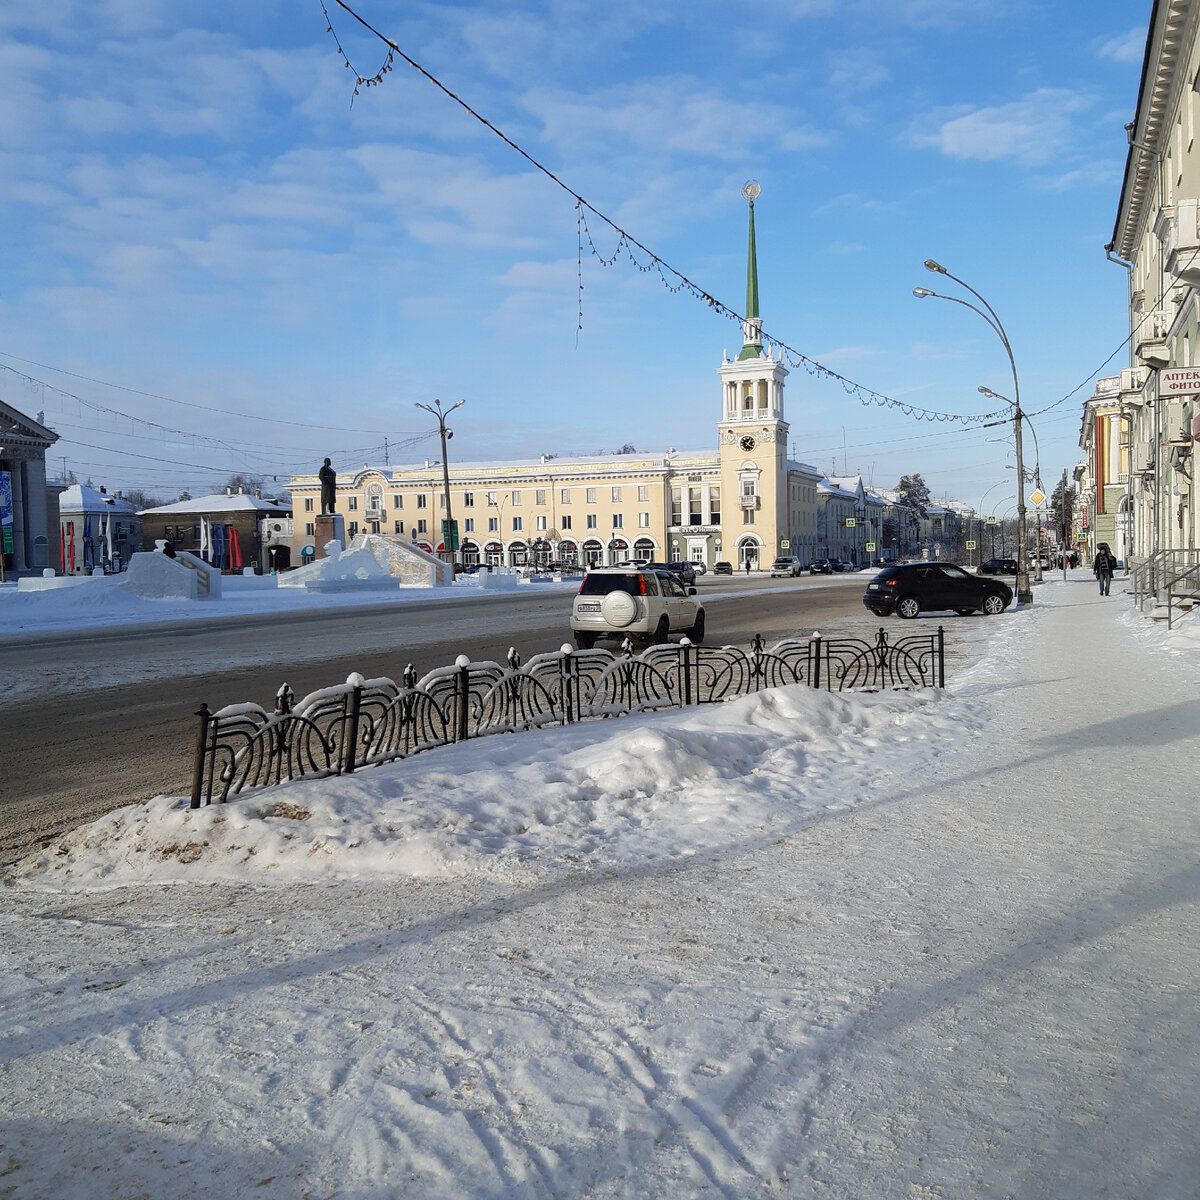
(747, 443)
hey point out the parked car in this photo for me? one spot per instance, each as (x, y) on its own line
(685, 570)
(826, 566)
(722, 568)
(998, 566)
(915, 588)
(786, 565)
(700, 568)
(641, 603)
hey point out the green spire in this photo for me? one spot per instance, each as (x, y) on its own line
(752, 341)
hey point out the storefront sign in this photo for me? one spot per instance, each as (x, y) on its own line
(1179, 381)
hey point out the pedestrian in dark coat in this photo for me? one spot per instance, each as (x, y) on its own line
(1103, 566)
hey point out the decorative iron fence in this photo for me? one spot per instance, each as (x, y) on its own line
(364, 722)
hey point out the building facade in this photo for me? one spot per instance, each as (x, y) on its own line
(1139, 429)
(745, 503)
(28, 505)
(96, 530)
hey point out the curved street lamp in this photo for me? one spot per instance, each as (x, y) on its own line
(1024, 594)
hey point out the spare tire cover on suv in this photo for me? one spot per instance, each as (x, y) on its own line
(619, 608)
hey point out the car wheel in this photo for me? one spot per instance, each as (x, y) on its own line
(585, 641)
(964, 612)
(696, 633)
(908, 607)
(993, 604)
(661, 632)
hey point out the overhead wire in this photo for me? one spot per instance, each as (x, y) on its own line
(626, 241)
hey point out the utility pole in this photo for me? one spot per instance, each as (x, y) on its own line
(448, 547)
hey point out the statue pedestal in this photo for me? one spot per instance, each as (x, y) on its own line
(330, 527)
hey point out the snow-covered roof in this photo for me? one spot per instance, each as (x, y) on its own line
(827, 487)
(79, 498)
(221, 503)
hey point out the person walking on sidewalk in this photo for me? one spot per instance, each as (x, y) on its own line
(1103, 566)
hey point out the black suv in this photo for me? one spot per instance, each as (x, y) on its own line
(915, 588)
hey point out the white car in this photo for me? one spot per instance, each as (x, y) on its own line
(786, 566)
(625, 601)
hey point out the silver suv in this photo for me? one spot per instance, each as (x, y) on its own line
(621, 601)
(786, 566)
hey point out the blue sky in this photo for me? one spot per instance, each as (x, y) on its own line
(192, 210)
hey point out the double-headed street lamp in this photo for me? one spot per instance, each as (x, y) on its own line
(1024, 593)
(448, 547)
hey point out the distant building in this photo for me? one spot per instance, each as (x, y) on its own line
(96, 529)
(27, 502)
(231, 531)
(747, 502)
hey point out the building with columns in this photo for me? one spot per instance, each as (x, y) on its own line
(29, 524)
(746, 503)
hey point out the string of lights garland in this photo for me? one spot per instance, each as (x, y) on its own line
(627, 243)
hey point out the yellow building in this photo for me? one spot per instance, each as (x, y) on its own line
(746, 503)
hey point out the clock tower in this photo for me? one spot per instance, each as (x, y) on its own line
(753, 436)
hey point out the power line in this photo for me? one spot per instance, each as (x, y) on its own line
(224, 412)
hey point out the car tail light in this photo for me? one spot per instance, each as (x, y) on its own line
(641, 585)
(890, 582)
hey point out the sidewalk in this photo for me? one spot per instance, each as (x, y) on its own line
(929, 948)
(1042, 1038)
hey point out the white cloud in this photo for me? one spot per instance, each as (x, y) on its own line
(1031, 130)
(856, 70)
(1125, 48)
(667, 115)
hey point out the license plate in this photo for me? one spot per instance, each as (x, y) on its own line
(587, 608)
(872, 587)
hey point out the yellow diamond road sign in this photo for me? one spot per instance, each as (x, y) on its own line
(1038, 497)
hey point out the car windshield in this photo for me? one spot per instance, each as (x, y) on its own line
(600, 584)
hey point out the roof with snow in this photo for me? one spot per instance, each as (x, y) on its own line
(220, 502)
(79, 498)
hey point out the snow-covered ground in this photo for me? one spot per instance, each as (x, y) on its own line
(903, 945)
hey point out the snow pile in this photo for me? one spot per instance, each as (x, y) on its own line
(644, 788)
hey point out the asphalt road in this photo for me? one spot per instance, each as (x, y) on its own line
(92, 720)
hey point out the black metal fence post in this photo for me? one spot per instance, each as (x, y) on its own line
(350, 730)
(201, 747)
(462, 698)
(941, 656)
(814, 655)
(569, 682)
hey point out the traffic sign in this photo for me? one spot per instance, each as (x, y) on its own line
(1038, 497)
(991, 521)
(970, 545)
(785, 544)
(851, 522)
(870, 547)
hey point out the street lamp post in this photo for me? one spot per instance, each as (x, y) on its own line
(1024, 593)
(1034, 477)
(447, 434)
